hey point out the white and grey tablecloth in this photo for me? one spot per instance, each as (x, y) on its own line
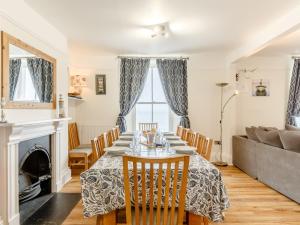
(103, 190)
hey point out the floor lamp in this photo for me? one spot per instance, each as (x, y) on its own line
(223, 107)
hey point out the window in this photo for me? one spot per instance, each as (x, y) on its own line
(25, 90)
(152, 106)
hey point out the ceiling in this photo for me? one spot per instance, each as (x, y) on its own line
(286, 45)
(195, 25)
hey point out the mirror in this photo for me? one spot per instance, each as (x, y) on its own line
(28, 79)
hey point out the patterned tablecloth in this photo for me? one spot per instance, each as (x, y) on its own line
(103, 190)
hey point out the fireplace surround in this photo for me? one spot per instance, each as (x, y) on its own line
(55, 172)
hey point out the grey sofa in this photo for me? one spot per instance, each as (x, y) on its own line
(275, 167)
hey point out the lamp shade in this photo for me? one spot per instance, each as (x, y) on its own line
(78, 81)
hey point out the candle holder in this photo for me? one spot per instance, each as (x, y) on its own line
(2, 104)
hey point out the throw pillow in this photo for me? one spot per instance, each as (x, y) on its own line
(290, 140)
(269, 137)
(250, 131)
(267, 128)
(293, 128)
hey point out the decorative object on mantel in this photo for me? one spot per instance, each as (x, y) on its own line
(260, 87)
(77, 83)
(3, 102)
(223, 106)
(61, 104)
(100, 82)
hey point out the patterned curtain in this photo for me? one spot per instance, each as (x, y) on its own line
(173, 75)
(41, 72)
(293, 108)
(133, 73)
(14, 73)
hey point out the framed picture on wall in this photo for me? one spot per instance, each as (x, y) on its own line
(260, 87)
(100, 81)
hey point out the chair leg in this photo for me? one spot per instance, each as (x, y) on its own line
(193, 219)
(99, 220)
(86, 162)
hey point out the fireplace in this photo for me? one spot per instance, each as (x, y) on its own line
(34, 174)
(33, 166)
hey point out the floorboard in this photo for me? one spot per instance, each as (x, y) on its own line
(252, 203)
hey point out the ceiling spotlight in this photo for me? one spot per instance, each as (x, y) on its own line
(160, 30)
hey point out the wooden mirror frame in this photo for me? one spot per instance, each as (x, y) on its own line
(7, 39)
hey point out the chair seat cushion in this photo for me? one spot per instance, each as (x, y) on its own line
(84, 146)
(87, 151)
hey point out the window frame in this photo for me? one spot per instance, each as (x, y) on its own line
(152, 103)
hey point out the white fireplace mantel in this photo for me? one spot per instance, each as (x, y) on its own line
(11, 134)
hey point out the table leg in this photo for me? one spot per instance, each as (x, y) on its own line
(196, 220)
(107, 219)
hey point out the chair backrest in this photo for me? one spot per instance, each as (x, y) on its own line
(95, 149)
(73, 136)
(118, 130)
(110, 138)
(191, 138)
(116, 133)
(204, 146)
(179, 131)
(173, 184)
(184, 133)
(101, 144)
(147, 126)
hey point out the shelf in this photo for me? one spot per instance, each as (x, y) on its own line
(75, 99)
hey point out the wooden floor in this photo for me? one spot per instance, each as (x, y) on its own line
(252, 203)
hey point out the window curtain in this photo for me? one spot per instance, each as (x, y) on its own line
(14, 73)
(293, 109)
(41, 72)
(173, 75)
(133, 73)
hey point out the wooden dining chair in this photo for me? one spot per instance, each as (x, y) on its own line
(118, 130)
(79, 155)
(179, 131)
(162, 212)
(96, 149)
(184, 134)
(204, 146)
(110, 138)
(101, 141)
(116, 134)
(191, 138)
(147, 126)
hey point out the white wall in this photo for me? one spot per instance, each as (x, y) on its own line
(20, 21)
(264, 111)
(99, 113)
(25, 24)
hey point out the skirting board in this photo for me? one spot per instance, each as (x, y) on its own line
(66, 177)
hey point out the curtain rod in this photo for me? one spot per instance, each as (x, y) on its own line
(22, 57)
(153, 57)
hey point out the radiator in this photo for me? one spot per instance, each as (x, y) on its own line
(88, 132)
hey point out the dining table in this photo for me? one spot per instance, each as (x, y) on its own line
(102, 186)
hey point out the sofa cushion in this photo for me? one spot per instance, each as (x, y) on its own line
(269, 137)
(290, 140)
(293, 128)
(250, 131)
